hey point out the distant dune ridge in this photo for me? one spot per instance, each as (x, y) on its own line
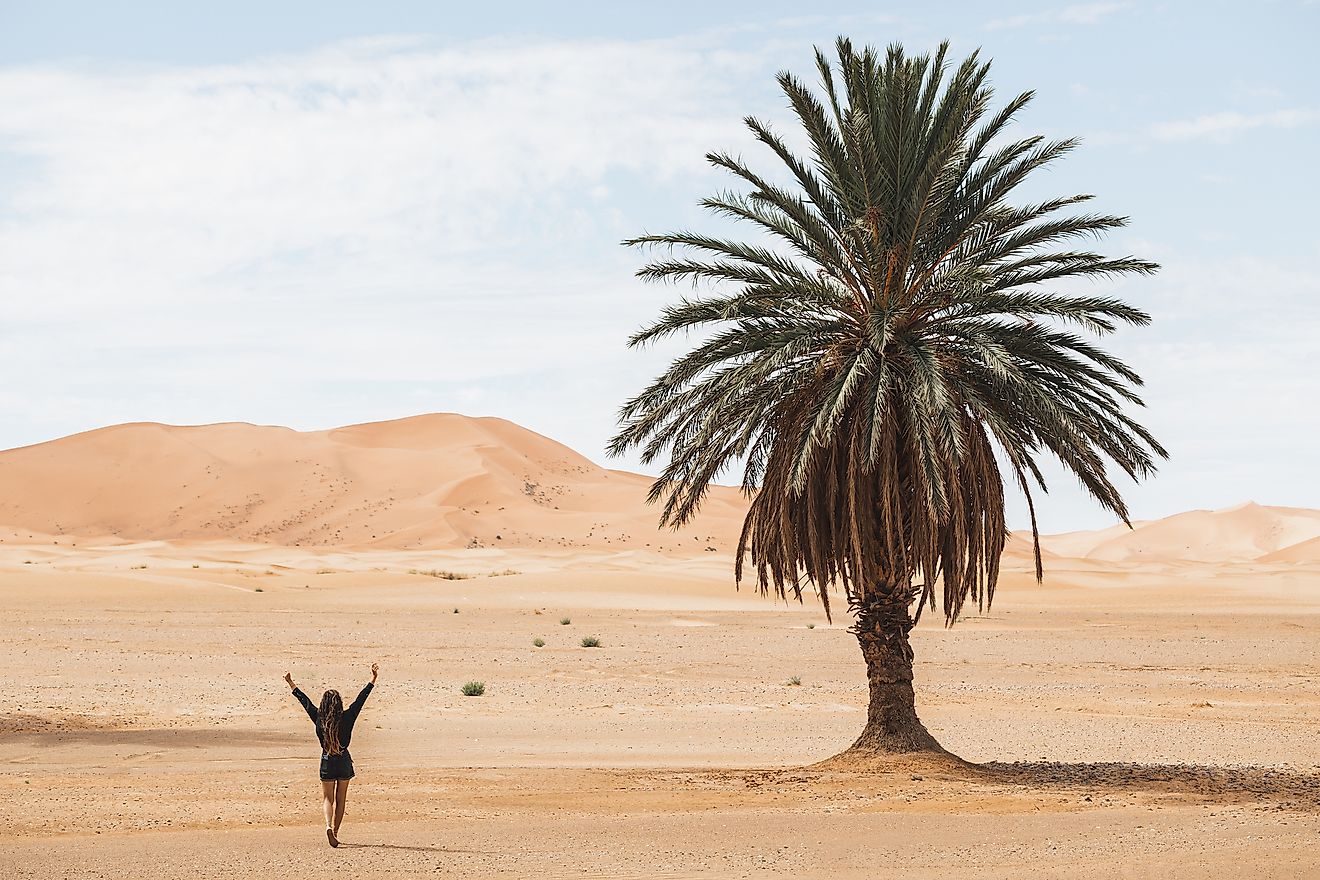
(433, 481)
(1247, 532)
(447, 481)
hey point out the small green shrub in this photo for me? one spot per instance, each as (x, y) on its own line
(565, 621)
(540, 643)
(455, 610)
(474, 689)
(196, 566)
(811, 626)
(590, 642)
(794, 682)
(258, 590)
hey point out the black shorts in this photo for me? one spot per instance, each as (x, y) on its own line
(338, 766)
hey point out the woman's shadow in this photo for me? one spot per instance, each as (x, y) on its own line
(405, 848)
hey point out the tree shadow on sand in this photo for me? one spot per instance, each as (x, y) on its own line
(1287, 789)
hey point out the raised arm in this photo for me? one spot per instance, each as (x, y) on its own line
(351, 713)
(302, 698)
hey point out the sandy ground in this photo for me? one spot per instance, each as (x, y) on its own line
(1129, 722)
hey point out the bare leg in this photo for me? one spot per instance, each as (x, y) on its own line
(328, 807)
(341, 798)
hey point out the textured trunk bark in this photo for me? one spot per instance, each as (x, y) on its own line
(892, 725)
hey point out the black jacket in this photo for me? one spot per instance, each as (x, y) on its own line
(345, 723)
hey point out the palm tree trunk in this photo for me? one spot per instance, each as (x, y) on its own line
(892, 725)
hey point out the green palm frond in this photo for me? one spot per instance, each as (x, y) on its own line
(899, 349)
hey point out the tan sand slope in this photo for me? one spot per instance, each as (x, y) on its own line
(1247, 532)
(447, 481)
(1303, 552)
(433, 481)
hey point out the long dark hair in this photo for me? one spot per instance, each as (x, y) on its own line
(332, 710)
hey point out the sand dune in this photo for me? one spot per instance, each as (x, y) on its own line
(1080, 544)
(1304, 552)
(1247, 532)
(433, 481)
(446, 481)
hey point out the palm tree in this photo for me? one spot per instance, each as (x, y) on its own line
(888, 355)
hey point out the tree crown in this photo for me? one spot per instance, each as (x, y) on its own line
(895, 346)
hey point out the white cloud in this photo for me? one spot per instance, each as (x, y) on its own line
(1222, 126)
(1080, 14)
(1090, 13)
(213, 169)
(192, 243)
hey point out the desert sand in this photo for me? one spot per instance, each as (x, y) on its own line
(1150, 710)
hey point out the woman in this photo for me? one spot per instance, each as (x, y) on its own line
(334, 728)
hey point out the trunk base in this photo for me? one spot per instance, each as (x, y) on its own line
(892, 726)
(931, 764)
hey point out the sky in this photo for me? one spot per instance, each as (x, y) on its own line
(317, 214)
